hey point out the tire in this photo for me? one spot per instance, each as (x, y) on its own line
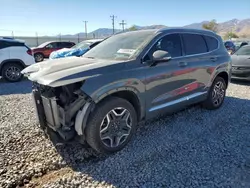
(97, 130)
(11, 72)
(39, 57)
(216, 89)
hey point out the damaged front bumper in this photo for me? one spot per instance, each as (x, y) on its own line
(68, 120)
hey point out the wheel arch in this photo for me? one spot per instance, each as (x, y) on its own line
(224, 75)
(129, 95)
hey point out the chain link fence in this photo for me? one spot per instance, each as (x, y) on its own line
(33, 39)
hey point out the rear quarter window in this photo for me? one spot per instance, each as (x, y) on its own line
(194, 44)
(212, 43)
(6, 44)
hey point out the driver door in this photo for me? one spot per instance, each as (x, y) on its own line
(167, 83)
(50, 48)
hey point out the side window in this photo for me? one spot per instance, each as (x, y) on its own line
(3, 44)
(245, 50)
(65, 45)
(6, 44)
(94, 44)
(194, 44)
(170, 43)
(52, 45)
(212, 43)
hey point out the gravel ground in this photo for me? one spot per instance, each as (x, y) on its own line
(193, 148)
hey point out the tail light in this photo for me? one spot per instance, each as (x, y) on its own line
(29, 52)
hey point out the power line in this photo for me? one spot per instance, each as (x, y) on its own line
(86, 32)
(123, 24)
(113, 22)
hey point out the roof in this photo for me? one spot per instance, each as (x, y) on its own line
(173, 29)
(7, 39)
(183, 29)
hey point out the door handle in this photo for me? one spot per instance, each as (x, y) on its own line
(213, 59)
(183, 64)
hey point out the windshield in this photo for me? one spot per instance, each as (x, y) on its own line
(122, 46)
(82, 45)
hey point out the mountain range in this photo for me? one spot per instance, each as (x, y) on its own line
(240, 27)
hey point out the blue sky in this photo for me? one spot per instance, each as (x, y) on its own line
(65, 16)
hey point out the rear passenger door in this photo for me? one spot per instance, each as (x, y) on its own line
(200, 57)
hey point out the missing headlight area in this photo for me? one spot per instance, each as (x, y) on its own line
(57, 107)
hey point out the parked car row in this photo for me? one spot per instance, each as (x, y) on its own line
(15, 55)
(233, 46)
(45, 49)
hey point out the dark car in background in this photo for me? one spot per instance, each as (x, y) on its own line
(230, 46)
(241, 63)
(126, 79)
(45, 49)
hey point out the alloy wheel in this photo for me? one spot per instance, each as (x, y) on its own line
(218, 93)
(38, 57)
(115, 127)
(13, 73)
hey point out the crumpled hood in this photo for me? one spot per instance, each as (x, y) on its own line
(68, 70)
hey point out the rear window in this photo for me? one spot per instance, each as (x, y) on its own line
(212, 43)
(6, 44)
(194, 44)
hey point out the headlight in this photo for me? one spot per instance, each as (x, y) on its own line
(30, 69)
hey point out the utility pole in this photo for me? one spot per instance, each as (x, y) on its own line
(86, 32)
(123, 24)
(113, 22)
(37, 39)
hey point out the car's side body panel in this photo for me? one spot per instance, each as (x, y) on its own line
(165, 87)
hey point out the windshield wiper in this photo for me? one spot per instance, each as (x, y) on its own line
(90, 57)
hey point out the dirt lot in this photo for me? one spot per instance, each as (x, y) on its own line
(193, 148)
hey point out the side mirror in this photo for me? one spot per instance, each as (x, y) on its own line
(158, 57)
(161, 56)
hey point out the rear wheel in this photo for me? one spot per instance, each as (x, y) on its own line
(111, 125)
(12, 72)
(38, 57)
(216, 94)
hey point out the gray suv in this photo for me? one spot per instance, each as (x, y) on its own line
(129, 78)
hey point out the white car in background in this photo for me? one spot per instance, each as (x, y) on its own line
(14, 57)
(77, 50)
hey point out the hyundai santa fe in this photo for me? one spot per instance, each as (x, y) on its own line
(129, 78)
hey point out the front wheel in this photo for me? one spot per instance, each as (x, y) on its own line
(111, 125)
(216, 94)
(38, 57)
